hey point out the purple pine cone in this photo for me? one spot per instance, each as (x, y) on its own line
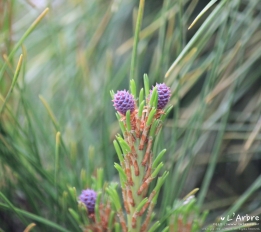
(163, 95)
(88, 197)
(123, 101)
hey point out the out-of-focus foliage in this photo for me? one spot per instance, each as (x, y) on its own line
(81, 50)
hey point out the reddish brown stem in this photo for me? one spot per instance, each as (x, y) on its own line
(137, 129)
(144, 137)
(130, 197)
(136, 168)
(126, 205)
(159, 113)
(122, 221)
(148, 150)
(128, 174)
(145, 224)
(148, 172)
(134, 220)
(133, 119)
(143, 209)
(144, 185)
(129, 158)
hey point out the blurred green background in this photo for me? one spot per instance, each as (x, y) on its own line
(80, 51)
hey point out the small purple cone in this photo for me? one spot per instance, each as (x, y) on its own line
(88, 197)
(123, 101)
(163, 95)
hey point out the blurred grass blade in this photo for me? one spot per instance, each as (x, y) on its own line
(50, 112)
(136, 41)
(56, 163)
(81, 52)
(11, 207)
(24, 36)
(16, 74)
(210, 4)
(36, 218)
(30, 227)
(197, 36)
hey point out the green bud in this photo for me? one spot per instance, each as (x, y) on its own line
(146, 85)
(156, 171)
(141, 108)
(118, 150)
(153, 97)
(153, 128)
(75, 216)
(158, 158)
(141, 96)
(115, 197)
(72, 191)
(112, 94)
(124, 146)
(121, 173)
(151, 116)
(154, 227)
(141, 204)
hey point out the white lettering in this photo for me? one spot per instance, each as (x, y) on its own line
(238, 218)
(228, 218)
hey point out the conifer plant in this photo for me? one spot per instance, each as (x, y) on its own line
(140, 120)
